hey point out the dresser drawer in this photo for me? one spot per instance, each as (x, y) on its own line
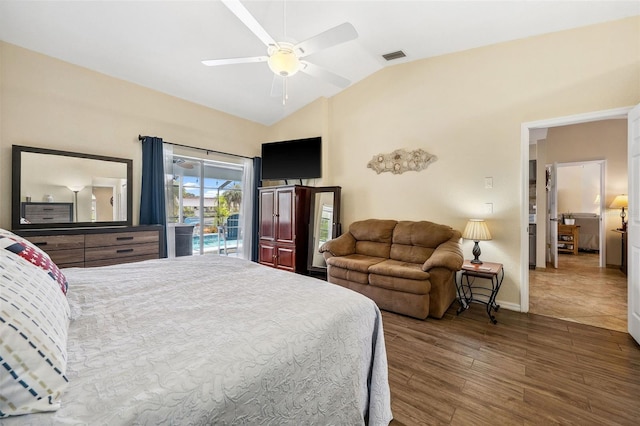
(121, 238)
(68, 258)
(92, 254)
(121, 260)
(65, 250)
(51, 243)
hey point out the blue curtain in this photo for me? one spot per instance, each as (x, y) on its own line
(257, 182)
(152, 199)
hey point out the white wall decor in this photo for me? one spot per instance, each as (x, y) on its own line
(401, 160)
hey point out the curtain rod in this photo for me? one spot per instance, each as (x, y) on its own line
(140, 138)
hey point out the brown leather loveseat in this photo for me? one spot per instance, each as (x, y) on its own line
(405, 267)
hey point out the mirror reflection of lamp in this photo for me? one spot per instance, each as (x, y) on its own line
(621, 201)
(75, 189)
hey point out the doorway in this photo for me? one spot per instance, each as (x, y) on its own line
(527, 130)
(575, 200)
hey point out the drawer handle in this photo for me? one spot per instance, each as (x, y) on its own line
(47, 209)
(129, 250)
(41, 243)
(47, 218)
(124, 238)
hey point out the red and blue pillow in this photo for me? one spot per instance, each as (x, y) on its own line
(35, 256)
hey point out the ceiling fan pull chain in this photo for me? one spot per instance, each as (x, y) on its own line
(284, 91)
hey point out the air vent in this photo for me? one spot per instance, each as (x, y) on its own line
(394, 55)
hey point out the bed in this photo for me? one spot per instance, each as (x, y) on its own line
(589, 224)
(209, 340)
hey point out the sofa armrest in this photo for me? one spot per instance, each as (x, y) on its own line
(447, 255)
(344, 245)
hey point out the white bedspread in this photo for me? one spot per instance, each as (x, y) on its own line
(217, 340)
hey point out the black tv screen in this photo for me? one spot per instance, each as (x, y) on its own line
(293, 159)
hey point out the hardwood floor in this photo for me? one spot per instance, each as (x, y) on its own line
(580, 291)
(527, 369)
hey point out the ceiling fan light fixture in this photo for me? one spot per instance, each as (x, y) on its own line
(284, 62)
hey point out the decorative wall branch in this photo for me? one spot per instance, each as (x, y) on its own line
(401, 160)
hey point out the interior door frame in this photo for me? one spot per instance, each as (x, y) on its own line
(525, 130)
(552, 210)
(602, 166)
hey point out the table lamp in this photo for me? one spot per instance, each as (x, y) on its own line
(477, 231)
(621, 201)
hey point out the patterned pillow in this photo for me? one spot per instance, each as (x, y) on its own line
(34, 321)
(34, 255)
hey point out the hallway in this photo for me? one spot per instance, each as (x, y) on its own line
(581, 292)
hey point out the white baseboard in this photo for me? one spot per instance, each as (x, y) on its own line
(508, 305)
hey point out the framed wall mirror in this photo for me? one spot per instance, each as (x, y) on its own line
(324, 224)
(61, 189)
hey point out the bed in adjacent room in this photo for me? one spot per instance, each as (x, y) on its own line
(198, 340)
(589, 224)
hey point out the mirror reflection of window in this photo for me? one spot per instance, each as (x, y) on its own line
(323, 225)
(326, 218)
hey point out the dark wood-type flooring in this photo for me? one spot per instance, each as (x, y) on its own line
(526, 370)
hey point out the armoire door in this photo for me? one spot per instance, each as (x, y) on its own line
(268, 214)
(286, 215)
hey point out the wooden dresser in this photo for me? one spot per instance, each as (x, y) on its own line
(568, 238)
(84, 247)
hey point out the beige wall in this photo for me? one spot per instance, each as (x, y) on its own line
(48, 103)
(598, 140)
(467, 108)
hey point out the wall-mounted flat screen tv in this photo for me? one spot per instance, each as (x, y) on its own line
(293, 159)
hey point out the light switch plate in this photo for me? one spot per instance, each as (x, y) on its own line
(488, 182)
(488, 208)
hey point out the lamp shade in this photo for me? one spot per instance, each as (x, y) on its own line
(619, 202)
(75, 188)
(476, 230)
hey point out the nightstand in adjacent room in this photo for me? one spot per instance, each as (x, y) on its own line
(469, 291)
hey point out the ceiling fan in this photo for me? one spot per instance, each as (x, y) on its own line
(284, 58)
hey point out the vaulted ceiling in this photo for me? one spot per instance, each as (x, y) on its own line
(160, 44)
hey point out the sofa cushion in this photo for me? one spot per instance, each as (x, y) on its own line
(404, 285)
(414, 242)
(411, 254)
(373, 249)
(373, 236)
(354, 262)
(335, 274)
(397, 268)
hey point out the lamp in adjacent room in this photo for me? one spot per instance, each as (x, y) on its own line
(621, 202)
(75, 189)
(477, 231)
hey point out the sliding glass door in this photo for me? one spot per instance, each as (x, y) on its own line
(206, 200)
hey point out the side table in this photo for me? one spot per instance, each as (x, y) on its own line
(469, 292)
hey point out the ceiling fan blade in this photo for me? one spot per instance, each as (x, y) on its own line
(323, 74)
(331, 37)
(243, 15)
(231, 61)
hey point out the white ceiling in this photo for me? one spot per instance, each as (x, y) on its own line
(159, 44)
